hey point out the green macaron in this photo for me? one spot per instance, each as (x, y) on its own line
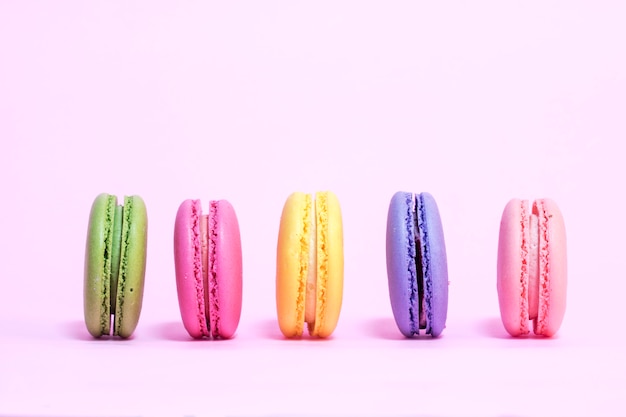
(115, 265)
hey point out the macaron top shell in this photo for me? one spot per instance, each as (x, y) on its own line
(292, 262)
(416, 251)
(401, 264)
(532, 267)
(188, 265)
(435, 264)
(329, 290)
(553, 268)
(97, 291)
(115, 262)
(225, 284)
(130, 284)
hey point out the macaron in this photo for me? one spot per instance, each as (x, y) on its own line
(532, 267)
(309, 265)
(208, 263)
(115, 265)
(417, 266)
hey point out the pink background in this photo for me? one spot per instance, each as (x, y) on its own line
(475, 102)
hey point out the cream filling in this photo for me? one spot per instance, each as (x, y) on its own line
(204, 253)
(116, 258)
(533, 268)
(310, 298)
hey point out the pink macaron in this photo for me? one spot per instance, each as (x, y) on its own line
(207, 256)
(532, 267)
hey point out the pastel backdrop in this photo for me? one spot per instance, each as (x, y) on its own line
(474, 102)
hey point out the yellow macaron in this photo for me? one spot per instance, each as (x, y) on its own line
(309, 264)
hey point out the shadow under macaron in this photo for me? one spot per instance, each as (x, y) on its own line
(494, 329)
(269, 329)
(386, 328)
(77, 330)
(174, 331)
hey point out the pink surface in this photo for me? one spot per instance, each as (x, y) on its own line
(475, 102)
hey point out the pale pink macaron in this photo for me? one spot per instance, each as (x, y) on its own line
(207, 256)
(532, 267)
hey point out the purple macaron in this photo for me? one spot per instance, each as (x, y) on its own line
(417, 268)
